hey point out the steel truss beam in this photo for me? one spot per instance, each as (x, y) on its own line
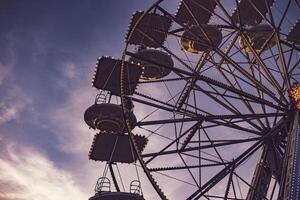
(290, 181)
(239, 160)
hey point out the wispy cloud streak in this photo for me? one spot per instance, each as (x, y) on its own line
(27, 174)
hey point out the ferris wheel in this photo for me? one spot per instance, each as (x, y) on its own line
(203, 103)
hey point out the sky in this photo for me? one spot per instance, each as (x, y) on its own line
(47, 55)
(48, 50)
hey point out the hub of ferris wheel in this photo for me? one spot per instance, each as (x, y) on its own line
(242, 62)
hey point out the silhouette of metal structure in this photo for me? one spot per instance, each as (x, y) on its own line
(205, 99)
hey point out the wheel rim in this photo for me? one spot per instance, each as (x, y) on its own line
(242, 94)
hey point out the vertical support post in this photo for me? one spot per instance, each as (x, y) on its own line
(290, 182)
(262, 177)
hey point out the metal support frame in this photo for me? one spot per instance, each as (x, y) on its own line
(290, 183)
(221, 93)
(261, 178)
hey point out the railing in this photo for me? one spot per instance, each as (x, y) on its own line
(102, 185)
(101, 97)
(135, 187)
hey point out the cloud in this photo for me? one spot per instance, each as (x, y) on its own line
(70, 127)
(13, 103)
(4, 72)
(8, 114)
(13, 100)
(27, 174)
(8, 60)
(70, 70)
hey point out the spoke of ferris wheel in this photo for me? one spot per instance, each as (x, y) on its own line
(177, 139)
(181, 112)
(242, 71)
(258, 84)
(171, 168)
(177, 30)
(189, 170)
(215, 149)
(237, 111)
(268, 74)
(221, 197)
(246, 103)
(191, 85)
(209, 118)
(277, 65)
(209, 146)
(232, 62)
(251, 62)
(220, 69)
(261, 95)
(229, 182)
(283, 62)
(225, 106)
(211, 81)
(239, 160)
(232, 121)
(202, 157)
(262, 62)
(170, 107)
(223, 94)
(184, 112)
(231, 125)
(183, 134)
(284, 66)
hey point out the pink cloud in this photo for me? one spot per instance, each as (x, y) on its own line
(27, 174)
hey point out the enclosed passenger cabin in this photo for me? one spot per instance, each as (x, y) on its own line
(259, 38)
(251, 12)
(191, 12)
(148, 29)
(108, 76)
(115, 147)
(155, 63)
(294, 34)
(200, 39)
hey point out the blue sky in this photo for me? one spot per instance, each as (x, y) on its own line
(48, 50)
